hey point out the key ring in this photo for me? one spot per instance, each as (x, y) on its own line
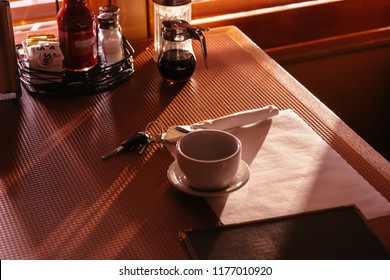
(160, 126)
(155, 138)
(152, 138)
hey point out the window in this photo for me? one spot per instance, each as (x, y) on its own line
(31, 11)
(204, 11)
(138, 20)
(38, 16)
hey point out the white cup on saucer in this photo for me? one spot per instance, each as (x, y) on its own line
(209, 159)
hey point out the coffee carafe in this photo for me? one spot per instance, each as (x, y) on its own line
(168, 10)
(177, 61)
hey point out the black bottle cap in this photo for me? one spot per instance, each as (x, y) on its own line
(172, 2)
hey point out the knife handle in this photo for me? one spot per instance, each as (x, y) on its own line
(238, 119)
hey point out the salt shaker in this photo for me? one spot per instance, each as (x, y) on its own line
(9, 75)
(168, 10)
(110, 38)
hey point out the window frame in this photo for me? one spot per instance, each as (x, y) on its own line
(211, 8)
(26, 12)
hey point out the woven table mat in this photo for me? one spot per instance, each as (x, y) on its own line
(59, 200)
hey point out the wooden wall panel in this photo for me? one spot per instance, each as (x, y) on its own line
(356, 86)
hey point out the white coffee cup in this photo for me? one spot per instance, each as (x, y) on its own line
(209, 159)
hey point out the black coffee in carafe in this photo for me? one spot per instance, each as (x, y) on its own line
(176, 65)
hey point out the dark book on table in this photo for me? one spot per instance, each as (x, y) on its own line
(331, 234)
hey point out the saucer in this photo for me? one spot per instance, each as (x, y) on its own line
(178, 180)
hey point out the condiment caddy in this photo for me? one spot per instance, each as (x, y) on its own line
(89, 60)
(96, 80)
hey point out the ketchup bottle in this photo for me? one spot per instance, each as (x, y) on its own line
(77, 35)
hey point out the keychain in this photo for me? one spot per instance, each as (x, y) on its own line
(137, 141)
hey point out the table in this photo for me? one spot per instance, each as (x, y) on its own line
(59, 200)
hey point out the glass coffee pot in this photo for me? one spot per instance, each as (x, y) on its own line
(177, 61)
(168, 10)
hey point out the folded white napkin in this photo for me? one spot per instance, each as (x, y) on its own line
(293, 170)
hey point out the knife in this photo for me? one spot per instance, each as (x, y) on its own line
(223, 123)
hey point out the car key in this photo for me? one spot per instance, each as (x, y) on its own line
(138, 140)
